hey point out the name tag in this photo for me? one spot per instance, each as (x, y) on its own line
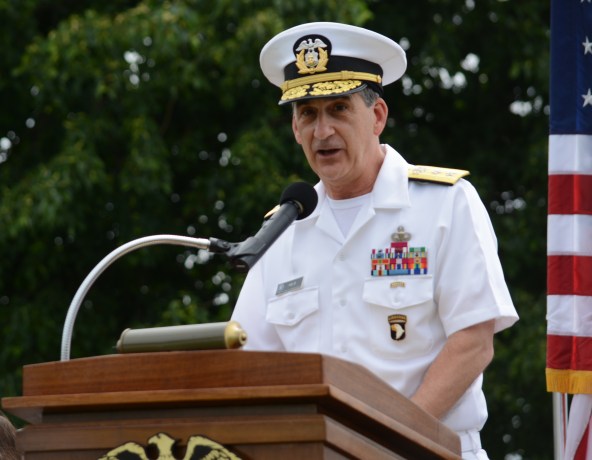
(288, 286)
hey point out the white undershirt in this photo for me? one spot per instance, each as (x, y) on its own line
(345, 211)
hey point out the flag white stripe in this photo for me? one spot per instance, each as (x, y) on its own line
(569, 234)
(570, 154)
(569, 315)
(580, 415)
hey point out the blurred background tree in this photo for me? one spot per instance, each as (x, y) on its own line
(130, 118)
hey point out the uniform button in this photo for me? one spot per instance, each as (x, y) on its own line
(343, 303)
(290, 315)
(343, 348)
(341, 257)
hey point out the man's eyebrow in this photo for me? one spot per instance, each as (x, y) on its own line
(345, 97)
(307, 102)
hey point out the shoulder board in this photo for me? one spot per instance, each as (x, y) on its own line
(271, 212)
(435, 174)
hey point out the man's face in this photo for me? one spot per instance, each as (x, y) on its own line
(339, 137)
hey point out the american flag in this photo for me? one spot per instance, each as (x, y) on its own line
(569, 227)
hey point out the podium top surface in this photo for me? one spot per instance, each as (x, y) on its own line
(176, 370)
(217, 377)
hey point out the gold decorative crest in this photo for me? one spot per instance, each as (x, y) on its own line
(198, 448)
(312, 57)
(295, 93)
(333, 87)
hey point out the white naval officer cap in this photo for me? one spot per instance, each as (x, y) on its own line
(324, 59)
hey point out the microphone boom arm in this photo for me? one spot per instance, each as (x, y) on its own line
(298, 201)
(200, 243)
(242, 256)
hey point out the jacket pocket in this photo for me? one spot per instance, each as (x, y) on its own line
(296, 317)
(402, 315)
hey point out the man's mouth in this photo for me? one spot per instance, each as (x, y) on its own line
(327, 152)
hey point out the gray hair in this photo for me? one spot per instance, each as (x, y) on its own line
(369, 95)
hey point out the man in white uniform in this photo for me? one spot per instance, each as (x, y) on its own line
(396, 269)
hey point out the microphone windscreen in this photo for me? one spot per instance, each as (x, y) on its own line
(302, 193)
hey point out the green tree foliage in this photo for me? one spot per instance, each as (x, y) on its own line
(130, 118)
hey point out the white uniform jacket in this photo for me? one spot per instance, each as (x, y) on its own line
(394, 325)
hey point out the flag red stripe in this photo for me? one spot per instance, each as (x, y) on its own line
(582, 452)
(570, 194)
(569, 275)
(569, 352)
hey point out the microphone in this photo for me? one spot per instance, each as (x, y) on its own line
(298, 201)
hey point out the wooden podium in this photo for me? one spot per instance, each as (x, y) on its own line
(256, 405)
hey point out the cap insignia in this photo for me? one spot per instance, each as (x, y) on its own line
(312, 55)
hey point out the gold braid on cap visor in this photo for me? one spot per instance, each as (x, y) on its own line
(327, 77)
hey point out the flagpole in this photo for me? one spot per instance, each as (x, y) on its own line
(559, 424)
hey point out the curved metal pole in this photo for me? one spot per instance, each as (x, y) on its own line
(199, 243)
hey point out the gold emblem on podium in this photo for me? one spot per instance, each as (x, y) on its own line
(198, 448)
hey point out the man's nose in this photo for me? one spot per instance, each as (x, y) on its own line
(323, 127)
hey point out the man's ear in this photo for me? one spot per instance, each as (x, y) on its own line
(380, 116)
(295, 130)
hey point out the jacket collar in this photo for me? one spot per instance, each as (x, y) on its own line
(391, 189)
